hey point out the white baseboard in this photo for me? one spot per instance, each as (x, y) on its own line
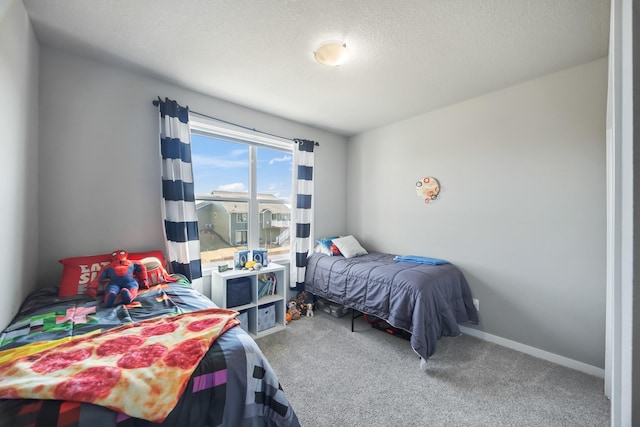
(535, 352)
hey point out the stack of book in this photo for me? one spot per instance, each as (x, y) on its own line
(266, 284)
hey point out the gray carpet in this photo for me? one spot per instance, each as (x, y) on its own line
(334, 377)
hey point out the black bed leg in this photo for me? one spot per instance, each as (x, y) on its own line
(354, 316)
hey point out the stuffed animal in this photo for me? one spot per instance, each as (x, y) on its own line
(309, 310)
(303, 299)
(292, 309)
(252, 265)
(122, 277)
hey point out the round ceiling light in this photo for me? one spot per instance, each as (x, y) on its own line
(332, 53)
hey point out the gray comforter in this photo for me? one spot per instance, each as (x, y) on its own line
(427, 300)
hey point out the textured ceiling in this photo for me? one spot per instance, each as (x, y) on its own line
(407, 56)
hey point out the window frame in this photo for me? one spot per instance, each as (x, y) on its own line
(206, 127)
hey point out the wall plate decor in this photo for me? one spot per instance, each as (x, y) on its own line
(428, 188)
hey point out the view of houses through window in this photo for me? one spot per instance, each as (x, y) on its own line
(243, 195)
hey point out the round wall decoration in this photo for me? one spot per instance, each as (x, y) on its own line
(428, 188)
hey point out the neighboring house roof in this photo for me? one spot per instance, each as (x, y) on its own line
(234, 207)
(202, 204)
(242, 194)
(241, 207)
(276, 208)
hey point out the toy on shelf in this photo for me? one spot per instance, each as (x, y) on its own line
(252, 265)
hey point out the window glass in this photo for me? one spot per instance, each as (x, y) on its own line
(235, 211)
(221, 234)
(220, 165)
(274, 228)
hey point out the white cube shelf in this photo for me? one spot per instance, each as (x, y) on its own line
(277, 299)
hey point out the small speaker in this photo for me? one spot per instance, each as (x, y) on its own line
(260, 256)
(240, 258)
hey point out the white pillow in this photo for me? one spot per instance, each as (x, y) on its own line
(349, 246)
(321, 249)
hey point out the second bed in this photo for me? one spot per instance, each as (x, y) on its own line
(429, 301)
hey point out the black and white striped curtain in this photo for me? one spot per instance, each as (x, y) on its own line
(178, 199)
(303, 213)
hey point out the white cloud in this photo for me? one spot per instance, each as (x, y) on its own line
(285, 158)
(218, 162)
(236, 186)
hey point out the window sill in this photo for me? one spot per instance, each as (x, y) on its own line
(208, 268)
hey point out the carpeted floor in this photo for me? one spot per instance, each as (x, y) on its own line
(334, 377)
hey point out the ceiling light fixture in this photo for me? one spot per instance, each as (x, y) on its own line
(332, 53)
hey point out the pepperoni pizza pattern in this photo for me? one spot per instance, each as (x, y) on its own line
(139, 369)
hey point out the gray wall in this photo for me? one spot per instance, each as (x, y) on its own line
(522, 210)
(100, 169)
(19, 172)
(635, 379)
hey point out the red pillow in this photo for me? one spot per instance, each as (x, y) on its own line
(334, 249)
(78, 272)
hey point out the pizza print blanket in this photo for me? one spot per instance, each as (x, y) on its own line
(139, 369)
(233, 385)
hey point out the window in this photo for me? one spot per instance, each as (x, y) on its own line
(241, 237)
(243, 191)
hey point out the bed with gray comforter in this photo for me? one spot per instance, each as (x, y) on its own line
(427, 300)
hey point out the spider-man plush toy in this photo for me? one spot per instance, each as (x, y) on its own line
(121, 277)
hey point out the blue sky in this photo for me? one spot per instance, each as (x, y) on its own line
(222, 165)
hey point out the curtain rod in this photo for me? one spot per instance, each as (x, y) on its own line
(157, 102)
